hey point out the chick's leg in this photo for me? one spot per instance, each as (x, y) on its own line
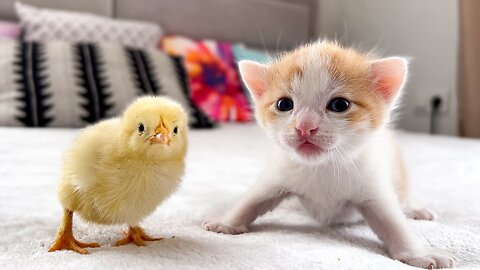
(65, 239)
(137, 236)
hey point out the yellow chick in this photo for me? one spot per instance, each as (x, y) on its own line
(119, 170)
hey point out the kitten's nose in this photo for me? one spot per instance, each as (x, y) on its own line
(306, 129)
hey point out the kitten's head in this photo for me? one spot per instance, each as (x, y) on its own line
(323, 100)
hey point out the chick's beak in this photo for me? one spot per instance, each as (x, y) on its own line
(161, 136)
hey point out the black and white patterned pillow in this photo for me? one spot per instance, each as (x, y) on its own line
(60, 84)
(45, 25)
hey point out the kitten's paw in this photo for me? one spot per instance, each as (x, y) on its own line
(218, 227)
(431, 259)
(420, 214)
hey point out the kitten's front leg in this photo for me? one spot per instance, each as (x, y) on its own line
(386, 219)
(258, 201)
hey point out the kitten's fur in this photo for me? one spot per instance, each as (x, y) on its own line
(351, 165)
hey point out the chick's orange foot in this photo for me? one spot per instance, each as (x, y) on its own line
(137, 236)
(65, 239)
(68, 242)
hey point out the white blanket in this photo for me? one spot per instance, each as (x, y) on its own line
(222, 164)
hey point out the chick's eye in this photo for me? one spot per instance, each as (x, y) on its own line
(141, 128)
(285, 104)
(338, 105)
(175, 130)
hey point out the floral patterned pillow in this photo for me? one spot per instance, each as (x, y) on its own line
(215, 84)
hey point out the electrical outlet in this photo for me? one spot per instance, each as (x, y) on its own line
(424, 96)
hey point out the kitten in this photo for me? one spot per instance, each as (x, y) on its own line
(327, 109)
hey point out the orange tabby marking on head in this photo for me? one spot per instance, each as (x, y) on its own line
(351, 70)
(346, 67)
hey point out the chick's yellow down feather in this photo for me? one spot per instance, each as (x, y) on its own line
(119, 170)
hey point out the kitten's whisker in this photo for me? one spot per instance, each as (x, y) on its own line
(279, 37)
(357, 172)
(337, 171)
(263, 43)
(337, 183)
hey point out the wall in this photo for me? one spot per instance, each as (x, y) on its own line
(425, 30)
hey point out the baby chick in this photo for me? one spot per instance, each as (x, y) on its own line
(119, 170)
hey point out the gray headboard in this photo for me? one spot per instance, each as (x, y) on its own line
(274, 24)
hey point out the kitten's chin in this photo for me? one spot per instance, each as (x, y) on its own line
(308, 149)
(308, 152)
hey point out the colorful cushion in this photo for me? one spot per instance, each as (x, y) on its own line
(61, 84)
(41, 24)
(9, 30)
(214, 80)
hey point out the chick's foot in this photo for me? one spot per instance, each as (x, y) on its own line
(137, 236)
(68, 242)
(65, 239)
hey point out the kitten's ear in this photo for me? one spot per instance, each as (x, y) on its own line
(389, 75)
(254, 76)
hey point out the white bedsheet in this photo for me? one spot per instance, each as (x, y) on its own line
(222, 164)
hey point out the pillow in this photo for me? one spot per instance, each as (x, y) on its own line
(214, 78)
(41, 24)
(60, 84)
(243, 53)
(9, 30)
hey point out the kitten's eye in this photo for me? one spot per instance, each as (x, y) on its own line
(285, 104)
(338, 105)
(141, 128)
(175, 130)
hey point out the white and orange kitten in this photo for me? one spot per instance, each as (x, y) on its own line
(327, 109)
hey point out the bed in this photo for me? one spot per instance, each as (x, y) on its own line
(222, 164)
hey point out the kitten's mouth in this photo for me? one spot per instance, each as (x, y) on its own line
(309, 149)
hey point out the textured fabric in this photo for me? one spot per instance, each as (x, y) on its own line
(61, 84)
(214, 79)
(9, 30)
(221, 165)
(41, 24)
(469, 68)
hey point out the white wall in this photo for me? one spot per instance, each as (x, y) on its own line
(425, 30)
